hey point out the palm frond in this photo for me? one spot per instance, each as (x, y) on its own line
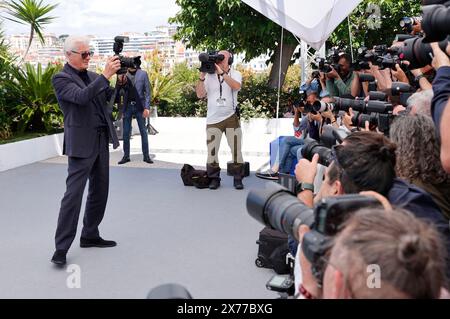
(31, 12)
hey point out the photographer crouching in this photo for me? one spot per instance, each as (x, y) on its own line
(220, 85)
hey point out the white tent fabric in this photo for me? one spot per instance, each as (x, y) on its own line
(312, 21)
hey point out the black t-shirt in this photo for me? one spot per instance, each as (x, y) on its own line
(131, 87)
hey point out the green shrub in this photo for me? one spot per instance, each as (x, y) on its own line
(36, 107)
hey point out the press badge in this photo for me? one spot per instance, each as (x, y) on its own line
(221, 102)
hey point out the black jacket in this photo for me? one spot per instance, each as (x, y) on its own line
(76, 101)
(441, 88)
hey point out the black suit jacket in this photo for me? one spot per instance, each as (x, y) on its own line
(76, 101)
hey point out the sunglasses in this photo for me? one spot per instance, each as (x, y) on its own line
(84, 55)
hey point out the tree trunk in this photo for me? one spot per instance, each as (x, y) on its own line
(288, 51)
(29, 44)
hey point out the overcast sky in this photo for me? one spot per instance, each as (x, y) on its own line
(104, 17)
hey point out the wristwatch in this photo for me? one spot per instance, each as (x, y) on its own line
(303, 187)
(417, 78)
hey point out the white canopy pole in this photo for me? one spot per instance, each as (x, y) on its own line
(350, 36)
(279, 83)
(279, 73)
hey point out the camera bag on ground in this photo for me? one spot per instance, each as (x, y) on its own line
(272, 251)
(246, 169)
(194, 177)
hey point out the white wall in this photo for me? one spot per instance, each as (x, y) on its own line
(176, 135)
(189, 134)
(30, 151)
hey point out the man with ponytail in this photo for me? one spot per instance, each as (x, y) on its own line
(386, 255)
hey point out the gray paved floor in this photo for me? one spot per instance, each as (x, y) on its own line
(166, 233)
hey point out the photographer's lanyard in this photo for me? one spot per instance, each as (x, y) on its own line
(220, 83)
(221, 89)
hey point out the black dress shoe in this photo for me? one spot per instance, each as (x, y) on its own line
(238, 184)
(148, 160)
(214, 184)
(59, 257)
(98, 242)
(124, 160)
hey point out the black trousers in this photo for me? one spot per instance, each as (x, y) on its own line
(96, 170)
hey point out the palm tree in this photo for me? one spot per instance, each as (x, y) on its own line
(5, 76)
(164, 86)
(37, 107)
(31, 12)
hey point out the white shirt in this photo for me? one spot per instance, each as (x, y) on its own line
(218, 113)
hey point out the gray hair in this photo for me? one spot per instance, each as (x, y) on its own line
(73, 41)
(420, 102)
(418, 150)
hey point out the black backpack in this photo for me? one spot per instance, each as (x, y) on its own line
(194, 177)
(272, 251)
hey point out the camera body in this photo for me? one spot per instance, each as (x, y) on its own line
(330, 215)
(125, 62)
(283, 284)
(361, 63)
(315, 75)
(209, 61)
(326, 65)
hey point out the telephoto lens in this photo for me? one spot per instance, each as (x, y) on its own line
(312, 147)
(436, 22)
(401, 87)
(419, 53)
(379, 107)
(342, 104)
(366, 77)
(403, 37)
(279, 209)
(320, 106)
(377, 96)
(361, 119)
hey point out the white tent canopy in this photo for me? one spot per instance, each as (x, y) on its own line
(312, 21)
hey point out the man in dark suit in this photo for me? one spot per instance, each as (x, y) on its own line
(88, 128)
(135, 86)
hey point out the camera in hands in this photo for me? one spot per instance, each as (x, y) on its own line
(209, 61)
(125, 62)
